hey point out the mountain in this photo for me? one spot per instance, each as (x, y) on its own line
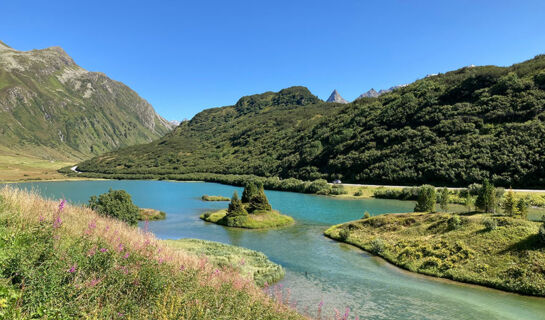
(369, 94)
(336, 97)
(452, 129)
(373, 93)
(54, 109)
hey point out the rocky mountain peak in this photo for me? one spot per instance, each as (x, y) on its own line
(369, 94)
(336, 97)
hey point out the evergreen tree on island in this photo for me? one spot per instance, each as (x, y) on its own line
(255, 198)
(236, 208)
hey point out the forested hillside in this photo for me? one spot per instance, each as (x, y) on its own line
(450, 129)
(53, 109)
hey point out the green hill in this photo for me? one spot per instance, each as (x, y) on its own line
(53, 109)
(449, 129)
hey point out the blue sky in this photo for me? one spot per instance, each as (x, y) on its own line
(187, 56)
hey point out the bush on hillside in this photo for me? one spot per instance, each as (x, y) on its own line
(454, 222)
(542, 233)
(116, 204)
(490, 224)
(426, 199)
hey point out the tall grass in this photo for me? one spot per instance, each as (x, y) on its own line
(68, 262)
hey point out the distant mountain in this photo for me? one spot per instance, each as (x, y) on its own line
(373, 93)
(370, 94)
(52, 108)
(336, 97)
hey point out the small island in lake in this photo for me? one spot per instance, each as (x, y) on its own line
(147, 214)
(214, 198)
(253, 211)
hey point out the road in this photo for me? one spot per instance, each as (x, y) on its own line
(390, 186)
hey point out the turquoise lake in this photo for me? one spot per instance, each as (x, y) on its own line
(317, 269)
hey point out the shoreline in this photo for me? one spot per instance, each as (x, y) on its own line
(388, 254)
(418, 275)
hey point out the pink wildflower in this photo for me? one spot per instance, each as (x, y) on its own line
(72, 269)
(93, 283)
(103, 250)
(62, 204)
(57, 222)
(346, 313)
(126, 256)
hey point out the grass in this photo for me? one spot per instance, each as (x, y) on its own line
(71, 263)
(259, 220)
(18, 167)
(359, 192)
(146, 214)
(214, 198)
(252, 264)
(509, 257)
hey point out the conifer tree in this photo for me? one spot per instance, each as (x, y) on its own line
(259, 201)
(486, 200)
(444, 199)
(426, 199)
(509, 205)
(236, 208)
(522, 208)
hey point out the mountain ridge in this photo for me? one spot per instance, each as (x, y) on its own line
(452, 129)
(52, 108)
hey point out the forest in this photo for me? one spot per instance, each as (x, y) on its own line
(451, 129)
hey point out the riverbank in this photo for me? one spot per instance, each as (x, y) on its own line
(498, 252)
(64, 261)
(319, 187)
(252, 264)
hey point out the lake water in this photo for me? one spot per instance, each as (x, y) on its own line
(317, 269)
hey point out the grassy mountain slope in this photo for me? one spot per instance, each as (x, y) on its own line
(54, 109)
(70, 263)
(450, 129)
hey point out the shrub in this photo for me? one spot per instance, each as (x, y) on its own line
(490, 224)
(430, 263)
(343, 234)
(426, 199)
(337, 189)
(474, 188)
(522, 208)
(235, 207)
(117, 204)
(454, 222)
(377, 246)
(541, 233)
(358, 193)
(366, 215)
(444, 199)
